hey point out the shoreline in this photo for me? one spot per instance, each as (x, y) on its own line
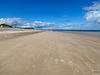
(82, 32)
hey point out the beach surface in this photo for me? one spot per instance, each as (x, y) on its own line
(49, 53)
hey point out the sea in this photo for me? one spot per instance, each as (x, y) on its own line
(90, 32)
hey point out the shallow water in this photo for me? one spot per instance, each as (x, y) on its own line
(90, 33)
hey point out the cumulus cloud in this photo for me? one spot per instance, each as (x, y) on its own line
(93, 14)
(95, 6)
(18, 22)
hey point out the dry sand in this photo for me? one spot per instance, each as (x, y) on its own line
(50, 53)
(5, 35)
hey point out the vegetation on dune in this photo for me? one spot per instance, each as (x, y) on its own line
(8, 26)
(5, 26)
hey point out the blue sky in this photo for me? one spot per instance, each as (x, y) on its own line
(47, 11)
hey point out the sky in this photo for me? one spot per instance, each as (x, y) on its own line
(51, 14)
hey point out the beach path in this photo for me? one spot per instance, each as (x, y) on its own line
(51, 53)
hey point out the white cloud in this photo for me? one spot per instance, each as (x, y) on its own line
(68, 26)
(72, 26)
(93, 14)
(95, 6)
(18, 22)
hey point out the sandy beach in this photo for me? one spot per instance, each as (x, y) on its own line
(49, 53)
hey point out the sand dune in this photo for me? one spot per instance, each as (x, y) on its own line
(50, 53)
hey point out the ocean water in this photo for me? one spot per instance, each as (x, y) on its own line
(90, 32)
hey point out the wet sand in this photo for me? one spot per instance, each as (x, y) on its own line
(84, 32)
(50, 53)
